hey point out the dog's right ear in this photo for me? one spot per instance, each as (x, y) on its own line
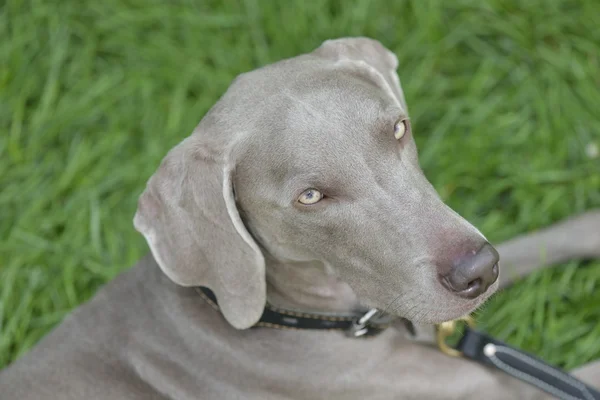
(370, 54)
(189, 218)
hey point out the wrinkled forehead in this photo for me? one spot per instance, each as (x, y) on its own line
(321, 123)
(335, 104)
(330, 106)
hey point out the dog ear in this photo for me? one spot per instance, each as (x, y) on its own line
(370, 55)
(189, 218)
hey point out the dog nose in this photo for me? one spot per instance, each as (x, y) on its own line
(474, 274)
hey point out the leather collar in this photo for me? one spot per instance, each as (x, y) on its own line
(359, 324)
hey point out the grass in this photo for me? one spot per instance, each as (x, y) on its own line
(503, 94)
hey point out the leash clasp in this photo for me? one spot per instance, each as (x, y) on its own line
(446, 329)
(360, 326)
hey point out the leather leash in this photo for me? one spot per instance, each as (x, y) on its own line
(491, 352)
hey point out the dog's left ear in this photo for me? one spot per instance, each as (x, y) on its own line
(189, 218)
(372, 56)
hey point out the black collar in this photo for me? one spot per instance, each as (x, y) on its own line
(359, 324)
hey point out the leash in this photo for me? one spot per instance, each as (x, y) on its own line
(473, 344)
(491, 352)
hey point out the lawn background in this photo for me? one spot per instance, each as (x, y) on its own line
(504, 97)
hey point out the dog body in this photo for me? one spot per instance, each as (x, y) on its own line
(300, 187)
(144, 338)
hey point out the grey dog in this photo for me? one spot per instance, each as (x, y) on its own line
(301, 187)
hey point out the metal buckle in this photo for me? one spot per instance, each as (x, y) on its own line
(360, 325)
(446, 329)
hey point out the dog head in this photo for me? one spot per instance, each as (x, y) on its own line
(313, 159)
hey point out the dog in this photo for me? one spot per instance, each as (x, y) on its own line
(300, 189)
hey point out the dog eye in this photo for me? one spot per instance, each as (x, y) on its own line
(310, 196)
(400, 128)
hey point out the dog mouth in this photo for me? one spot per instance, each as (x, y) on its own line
(441, 307)
(467, 307)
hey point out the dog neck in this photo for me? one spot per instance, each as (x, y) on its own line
(308, 287)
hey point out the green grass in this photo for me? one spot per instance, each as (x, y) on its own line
(504, 97)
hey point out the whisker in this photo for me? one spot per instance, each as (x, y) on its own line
(388, 306)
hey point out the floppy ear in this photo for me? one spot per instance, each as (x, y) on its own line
(377, 60)
(189, 219)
